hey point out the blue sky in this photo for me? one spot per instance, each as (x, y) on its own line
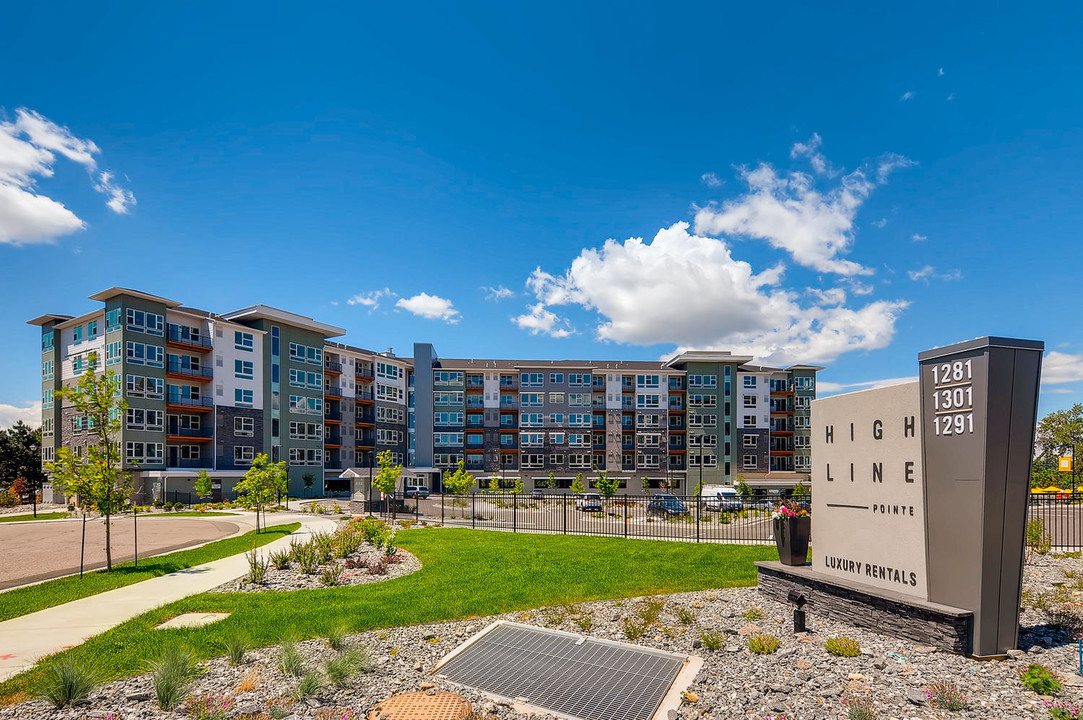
(846, 186)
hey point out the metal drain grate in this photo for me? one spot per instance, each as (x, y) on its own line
(572, 675)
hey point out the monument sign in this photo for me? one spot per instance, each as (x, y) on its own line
(920, 499)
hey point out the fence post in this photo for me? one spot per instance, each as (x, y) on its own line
(626, 516)
(473, 511)
(564, 511)
(514, 512)
(698, 511)
(443, 499)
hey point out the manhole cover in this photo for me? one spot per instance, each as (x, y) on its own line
(566, 674)
(422, 706)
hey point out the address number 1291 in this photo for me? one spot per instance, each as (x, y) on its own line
(957, 424)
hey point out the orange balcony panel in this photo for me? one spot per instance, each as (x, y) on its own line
(509, 450)
(179, 407)
(331, 421)
(781, 393)
(186, 439)
(361, 446)
(364, 378)
(364, 424)
(331, 445)
(678, 430)
(365, 401)
(677, 450)
(331, 371)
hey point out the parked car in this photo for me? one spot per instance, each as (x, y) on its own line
(724, 500)
(416, 491)
(666, 505)
(589, 502)
(537, 494)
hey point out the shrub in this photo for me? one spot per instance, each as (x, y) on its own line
(257, 566)
(280, 707)
(1064, 711)
(289, 658)
(68, 681)
(1040, 679)
(650, 610)
(281, 559)
(309, 684)
(374, 530)
(345, 665)
(305, 555)
(209, 707)
(946, 695)
(686, 616)
(331, 576)
(724, 518)
(583, 621)
(633, 630)
(859, 708)
(1038, 540)
(763, 644)
(172, 674)
(235, 643)
(753, 614)
(711, 640)
(842, 646)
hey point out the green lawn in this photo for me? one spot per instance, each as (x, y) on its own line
(466, 573)
(23, 601)
(24, 518)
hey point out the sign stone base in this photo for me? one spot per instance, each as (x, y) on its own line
(871, 608)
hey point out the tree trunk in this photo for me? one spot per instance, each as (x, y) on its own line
(108, 545)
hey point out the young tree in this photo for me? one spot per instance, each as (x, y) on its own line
(261, 484)
(460, 481)
(519, 489)
(577, 484)
(387, 477)
(551, 481)
(606, 485)
(743, 490)
(800, 492)
(308, 480)
(1061, 433)
(203, 485)
(97, 476)
(646, 485)
(20, 457)
(494, 484)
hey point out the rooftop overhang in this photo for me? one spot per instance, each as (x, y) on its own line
(265, 312)
(113, 292)
(706, 356)
(46, 319)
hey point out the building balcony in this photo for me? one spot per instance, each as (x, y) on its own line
(506, 406)
(182, 402)
(187, 372)
(475, 403)
(361, 446)
(509, 384)
(363, 373)
(185, 435)
(509, 448)
(333, 416)
(364, 397)
(178, 338)
(676, 385)
(475, 383)
(332, 368)
(332, 391)
(188, 463)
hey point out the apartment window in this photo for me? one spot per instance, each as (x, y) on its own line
(92, 330)
(531, 419)
(579, 420)
(47, 341)
(447, 438)
(648, 401)
(556, 398)
(710, 461)
(447, 398)
(112, 353)
(244, 427)
(649, 420)
(750, 441)
(533, 460)
(556, 438)
(804, 383)
(702, 381)
(749, 381)
(112, 320)
(802, 441)
(531, 379)
(647, 381)
(802, 462)
(245, 454)
(578, 399)
(507, 441)
(579, 439)
(556, 378)
(579, 460)
(802, 402)
(137, 452)
(386, 370)
(531, 399)
(749, 461)
(388, 393)
(556, 418)
(556, 459)
(751, 401)
(447, 377)
(697, 400)
(243, 398)
(802, 421)
(47, 370)
(393, 415)
(507, 421)
(77, 334)
(531, 439)
(648, 440)
(648, 461)
(750, 421)
(243, 341)
(243, 369)
(579, 379)
(448, 418)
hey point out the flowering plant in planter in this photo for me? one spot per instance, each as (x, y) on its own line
(789, 511)
(792, 529)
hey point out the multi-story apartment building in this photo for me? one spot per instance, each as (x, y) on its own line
(210, 391)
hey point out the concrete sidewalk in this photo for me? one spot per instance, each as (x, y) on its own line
(24, 640)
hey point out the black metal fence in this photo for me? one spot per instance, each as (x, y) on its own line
(689, 519)
(1061, 519)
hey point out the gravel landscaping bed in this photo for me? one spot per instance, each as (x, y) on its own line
(355, 570)
(800, 680)
(28, 509)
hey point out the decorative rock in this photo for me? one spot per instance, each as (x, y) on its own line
(916, 697)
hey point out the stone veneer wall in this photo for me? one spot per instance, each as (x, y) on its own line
(923, 625)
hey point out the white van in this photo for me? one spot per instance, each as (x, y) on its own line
(723, 500)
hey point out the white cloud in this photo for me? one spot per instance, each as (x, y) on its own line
(371, 299)
(539, 320)
(432, 307)
(940, 73)
(859, 288)
(688, 290)
(833, 296)
(951, 96)
(1059, 367)
(831, 388)
(929, 273)
(711, 180)
(497, 293)
(28, 149)
(908, 95)
(30, 414)
(791, 214)
(880, 223)
(811, 150)
(919, 238)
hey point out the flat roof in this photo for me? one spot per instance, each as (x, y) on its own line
(114, 291)
(47, 318)
(493, 364)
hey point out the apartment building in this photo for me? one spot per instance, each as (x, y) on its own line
(208, 391)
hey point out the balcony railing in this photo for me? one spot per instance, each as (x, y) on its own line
(475, 404)
(504, 405)
(509, 383)
(199, 432)
(363, 395)
(189, 463)
(332, 366)
(475, 383)
(185, 337)
(333, 415)
(181, 369)
(198, 402)
(363, 371)
(333, 390)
